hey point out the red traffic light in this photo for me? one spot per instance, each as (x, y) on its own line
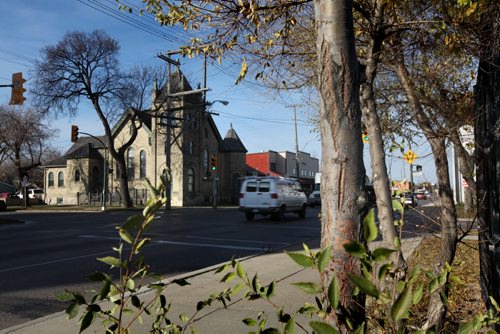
(74, 133)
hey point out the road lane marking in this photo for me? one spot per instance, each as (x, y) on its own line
(53, 262)
(182, 243)
(225, 239)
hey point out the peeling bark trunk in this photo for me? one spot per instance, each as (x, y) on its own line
(437, 309)
(343, 171)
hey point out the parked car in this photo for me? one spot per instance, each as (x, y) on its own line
(273, 196)
(9, 199)
(314, 198)
(410, 199)
(421, 195)
(35, 195)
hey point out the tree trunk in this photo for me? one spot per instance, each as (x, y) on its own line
(381, 181)
(342, 167)
(465, 162)
(437, 309)
(123, 181)
(487, 132)
(436, 312)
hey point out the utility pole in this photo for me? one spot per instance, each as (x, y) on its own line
(170, 118)
(297, 160)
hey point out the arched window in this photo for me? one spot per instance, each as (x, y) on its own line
(51, 179)
(77, 175)
(60, 179)
(205, 161)
(130, 163)
(142, 164)
(190, 181)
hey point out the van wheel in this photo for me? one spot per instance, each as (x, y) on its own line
(249, 215)
(302, 212)
(3, 206)
(280, 215)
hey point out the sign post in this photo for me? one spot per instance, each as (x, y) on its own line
(24, 184)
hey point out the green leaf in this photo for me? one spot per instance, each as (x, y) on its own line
(301, 259)
(397, 206)
(133, 222)
(97, 277)
(249, 322)
(87, 320)
(130, 284)
(125, 235)
(106, 287)
(370, 226)
(360, 329)
(382, 254)
(308, 287)
(383, 270)
(110, 260)
(65, 297)
(239, 270)
(270, 331)
(417, 295)
(271, 289)
(365, 285)
(136, 302)
(324, 258)
(471, 326)
(334, 292)
(290, 326)
(355, 249)
(400, 308)
(433, 285)
(141, 244)
(72, 310)
(322, 328)
(237, 288)
(228, 277)
(184, 318)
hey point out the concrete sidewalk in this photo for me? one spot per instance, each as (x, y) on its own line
(215, 319)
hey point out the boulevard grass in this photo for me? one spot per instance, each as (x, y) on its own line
(465, 295)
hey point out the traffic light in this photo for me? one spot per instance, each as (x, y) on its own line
(213, 164)
(18, 90)
(74, 133)
(364, 136)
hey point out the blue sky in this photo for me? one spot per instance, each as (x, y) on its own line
(261, 119)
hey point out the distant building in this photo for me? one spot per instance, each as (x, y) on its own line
(284, 164)
(77, 177)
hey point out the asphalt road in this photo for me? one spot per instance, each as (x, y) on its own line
(52, 252)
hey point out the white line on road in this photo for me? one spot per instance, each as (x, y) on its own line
(237, 240)
(52, 262)
(182, 243)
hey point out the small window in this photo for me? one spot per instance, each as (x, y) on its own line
(190, 181)
(190, 147)
(51, 179)
(252, 187)
(264, 187)
(60, 179)
(77, 175)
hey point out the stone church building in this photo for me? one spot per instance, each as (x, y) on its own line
(79, 176)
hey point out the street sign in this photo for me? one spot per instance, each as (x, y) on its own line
(25, 182)
(410, 156)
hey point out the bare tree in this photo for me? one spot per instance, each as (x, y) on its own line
(23, 139)
(85, 66)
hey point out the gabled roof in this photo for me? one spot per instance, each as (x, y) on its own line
(232, 142)
(84, 151)
(144, 117)
(59, 162)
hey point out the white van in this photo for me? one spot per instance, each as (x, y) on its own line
(272, 195)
